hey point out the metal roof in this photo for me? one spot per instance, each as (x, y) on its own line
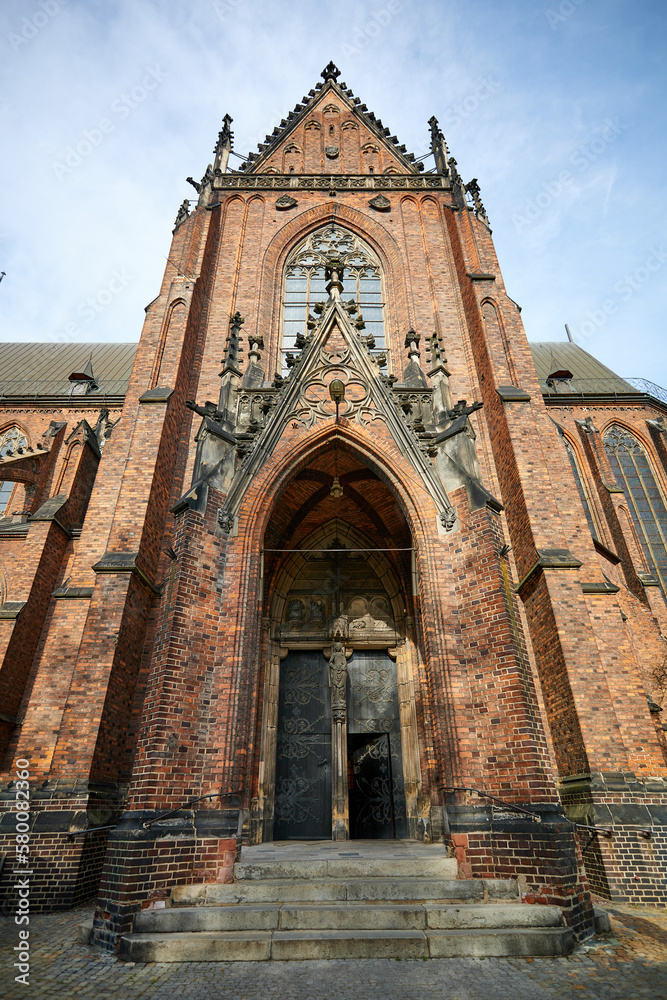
(43, 369)
(588, 374)
(552, 356)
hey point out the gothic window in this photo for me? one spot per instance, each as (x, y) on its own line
(304, 282)
(633, 473)
(11, 440)
(580, 487)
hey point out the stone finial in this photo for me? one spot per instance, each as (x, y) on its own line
(439, 147)
(225, 136)
(330, 72)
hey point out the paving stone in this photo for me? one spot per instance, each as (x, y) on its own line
(630, 963)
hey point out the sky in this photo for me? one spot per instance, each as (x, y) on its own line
(557, 107)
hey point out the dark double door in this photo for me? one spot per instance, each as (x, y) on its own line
(303, 794)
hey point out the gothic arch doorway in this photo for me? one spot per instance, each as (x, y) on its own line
(339, 751)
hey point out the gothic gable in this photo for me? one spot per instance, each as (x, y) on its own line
(331, 132)
(335, 351)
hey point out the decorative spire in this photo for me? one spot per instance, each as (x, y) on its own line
(439, 147)
(224, 145)
(330, 72)
(232, 358)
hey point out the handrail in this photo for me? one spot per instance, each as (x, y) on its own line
(510, 805)
(184, 805)
(606, 831)
(149, 823)
(90, 829)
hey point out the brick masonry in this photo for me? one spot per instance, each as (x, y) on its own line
(138, 673)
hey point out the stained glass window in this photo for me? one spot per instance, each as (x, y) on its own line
(305, 282)
(646, 503)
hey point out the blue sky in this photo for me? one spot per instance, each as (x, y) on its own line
(557, 107)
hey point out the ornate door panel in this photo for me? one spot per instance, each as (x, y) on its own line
(377, 796)
(303, 765)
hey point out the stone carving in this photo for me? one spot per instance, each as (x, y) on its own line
(332, 152)
(226, 521)
(183, 213)
(338, 682)
(330, 72)
(286, 201)
(473, 190)
(295, 614)
(314, 181)
(380, 203)
(448, 519)
(11, 440)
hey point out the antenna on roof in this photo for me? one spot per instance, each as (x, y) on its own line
(569, 335)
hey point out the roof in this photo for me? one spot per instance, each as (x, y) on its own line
(330, 76)
(44, 369)
(588, 374)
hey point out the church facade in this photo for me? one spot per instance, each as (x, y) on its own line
(333, 554)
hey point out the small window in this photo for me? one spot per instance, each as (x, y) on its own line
(6, 490)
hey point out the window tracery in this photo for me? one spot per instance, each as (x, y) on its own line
(304, 282)
(646, 503)
(11, 440)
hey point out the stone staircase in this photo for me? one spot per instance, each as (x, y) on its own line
(346, 901)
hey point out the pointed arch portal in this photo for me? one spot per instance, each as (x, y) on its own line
(339, 748)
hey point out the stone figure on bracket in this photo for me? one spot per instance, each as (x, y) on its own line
(338, 682)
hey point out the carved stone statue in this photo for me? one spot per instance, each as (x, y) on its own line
(338, 682)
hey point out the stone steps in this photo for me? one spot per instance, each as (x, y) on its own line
(342, 890)
(326, 908)
(262, 945)
(437, 867)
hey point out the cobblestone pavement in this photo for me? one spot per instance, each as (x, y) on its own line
(628, 964)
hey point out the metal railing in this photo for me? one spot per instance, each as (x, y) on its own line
(187, 804)
(650, 388)
(616, 387)
(606, 831)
